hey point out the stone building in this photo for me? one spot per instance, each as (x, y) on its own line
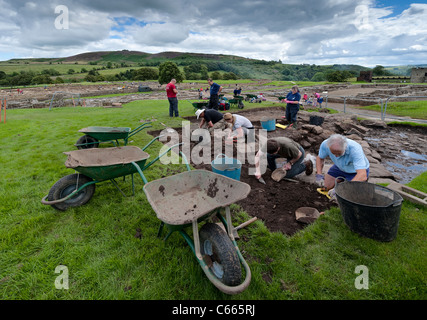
(419, 75)
(365, 76)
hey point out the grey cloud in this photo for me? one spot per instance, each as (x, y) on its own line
(292, 30)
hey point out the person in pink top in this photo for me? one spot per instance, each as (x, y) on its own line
(171, 92)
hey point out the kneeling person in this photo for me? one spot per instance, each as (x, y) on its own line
(239, 125)
(283, 147)
(349, 161)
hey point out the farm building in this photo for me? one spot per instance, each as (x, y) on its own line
(419, 75)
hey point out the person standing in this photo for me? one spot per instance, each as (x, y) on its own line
(171, 93)
(215, 90)
(292, 107)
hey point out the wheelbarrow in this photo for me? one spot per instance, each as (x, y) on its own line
(94, 135)
(199, 105)
(94, 166)
(250, 96)
(237, 102)
(187, 199)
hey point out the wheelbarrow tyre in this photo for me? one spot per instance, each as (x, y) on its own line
(225, 264)
(87, 142)
(240, 106)
(66, 186)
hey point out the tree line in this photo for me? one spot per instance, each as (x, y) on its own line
(195, 70)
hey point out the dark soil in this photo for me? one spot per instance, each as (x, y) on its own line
(276, 202)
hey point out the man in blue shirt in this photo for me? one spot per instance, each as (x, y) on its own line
(349, 161)
(292, 106)
(214, 98)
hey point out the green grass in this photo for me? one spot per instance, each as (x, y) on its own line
(105, 260)
(413, 109)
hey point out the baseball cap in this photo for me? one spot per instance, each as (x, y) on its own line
(199, 112)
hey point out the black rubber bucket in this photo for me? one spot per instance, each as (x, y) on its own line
(370, 210)
(316, 120)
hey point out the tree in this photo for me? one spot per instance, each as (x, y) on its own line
(146, 74)
(168, 71)
(216, 75)
(229, 76)
(380, 71)
(338, 76)
(41, 79)
(196, 71)
(319, 76)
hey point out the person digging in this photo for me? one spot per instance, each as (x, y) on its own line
(283, 147)
(349, 161)
(211, 120)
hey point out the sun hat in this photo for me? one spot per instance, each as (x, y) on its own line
(199, 112)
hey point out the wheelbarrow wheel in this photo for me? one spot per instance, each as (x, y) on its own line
(87, 142)
(220, 255)
(67, 185)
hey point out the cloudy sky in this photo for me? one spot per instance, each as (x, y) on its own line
(367, 32)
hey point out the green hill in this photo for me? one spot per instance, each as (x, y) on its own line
(120, 65)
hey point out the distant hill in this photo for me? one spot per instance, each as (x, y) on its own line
(404, 70)
(242, 67)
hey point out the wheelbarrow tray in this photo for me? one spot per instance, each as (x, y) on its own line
(199, 105)
(106, 163)
(183, 198)
(107, 133)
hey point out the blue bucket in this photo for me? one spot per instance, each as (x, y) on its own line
(228, 167)
(269, 125)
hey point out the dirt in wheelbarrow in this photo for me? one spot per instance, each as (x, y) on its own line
(274, 203)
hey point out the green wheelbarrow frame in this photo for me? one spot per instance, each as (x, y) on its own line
(97, 174)
(237, 102)
(156, 191)
(199, 105)
(107, 134)
(249, 96)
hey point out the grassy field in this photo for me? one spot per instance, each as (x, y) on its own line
(110, 245)
(413, 109)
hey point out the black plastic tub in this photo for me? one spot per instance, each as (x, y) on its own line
(316, 120)
(370, 210)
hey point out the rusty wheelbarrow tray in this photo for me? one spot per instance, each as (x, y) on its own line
(95, 166)
(184, 200)
(94, 135)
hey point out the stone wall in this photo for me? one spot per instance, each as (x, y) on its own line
(419, 75)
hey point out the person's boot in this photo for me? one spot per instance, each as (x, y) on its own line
(294, 125)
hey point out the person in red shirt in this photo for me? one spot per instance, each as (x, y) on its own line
(171, 92)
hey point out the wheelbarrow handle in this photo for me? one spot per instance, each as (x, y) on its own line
(151, 142)
(140, 170)
(140, 128)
